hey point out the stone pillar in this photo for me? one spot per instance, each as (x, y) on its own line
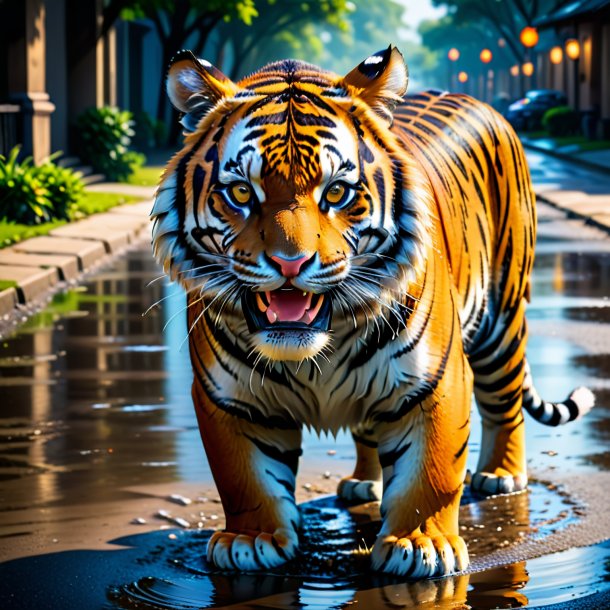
(27, 82)
(605, 82)
(57, 72)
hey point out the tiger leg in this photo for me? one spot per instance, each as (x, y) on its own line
(254, 469)
(423, 457)
(364, 484)
(499, 371)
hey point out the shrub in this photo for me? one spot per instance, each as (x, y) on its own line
(104, 138)
(33, 195)
(148, 131)
(561, 121)
(64, 186)
(23, 197)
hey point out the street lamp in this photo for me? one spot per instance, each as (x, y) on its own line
(556, 55)
(486, 56)
(453, 55)
(514, 70)
(573, 52)
(573, 48)
(529, 37)
(463, 77)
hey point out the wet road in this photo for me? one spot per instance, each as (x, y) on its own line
(97, 430)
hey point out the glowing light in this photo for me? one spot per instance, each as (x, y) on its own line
(486, 56)
(529, 37)
(453, 54)
(501, 43)
(514, 70)
(462, 77)
(527, 68)
(556, 55)
(572, 48)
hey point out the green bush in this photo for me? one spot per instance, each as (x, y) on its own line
(64, 186)
(561, 121)
(34, 195)
(104, 137)
(23, 197)
(149, 132)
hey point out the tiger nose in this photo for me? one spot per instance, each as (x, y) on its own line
(290, 267)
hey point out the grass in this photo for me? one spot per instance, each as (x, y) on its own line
(5, 284)
(584, 144)
(146, 176)
(91, 203)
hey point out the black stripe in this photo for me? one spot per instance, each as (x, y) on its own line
(288, 457)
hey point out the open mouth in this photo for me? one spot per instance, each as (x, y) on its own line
(286, 308)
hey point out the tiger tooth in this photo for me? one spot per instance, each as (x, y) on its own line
(271, 316)
(260, 303)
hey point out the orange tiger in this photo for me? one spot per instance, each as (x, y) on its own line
(352, 258)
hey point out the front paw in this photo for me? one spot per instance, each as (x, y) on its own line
(492, 484)
(355, 490)
(244, 553)
(419, 556)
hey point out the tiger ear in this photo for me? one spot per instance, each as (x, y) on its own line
(194, 86)
(381, 81)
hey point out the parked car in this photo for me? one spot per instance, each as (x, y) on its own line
(527, 112)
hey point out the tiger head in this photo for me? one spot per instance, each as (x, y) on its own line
(292, 204)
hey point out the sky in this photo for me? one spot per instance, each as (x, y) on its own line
(417, 11)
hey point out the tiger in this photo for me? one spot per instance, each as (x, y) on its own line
(353, 258)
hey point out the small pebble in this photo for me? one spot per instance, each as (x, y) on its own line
(550, 453)
(138, 521)
(326, 475)
(307, 486)
(331, 452)
(178, 499)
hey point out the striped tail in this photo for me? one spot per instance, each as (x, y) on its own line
(577, 404)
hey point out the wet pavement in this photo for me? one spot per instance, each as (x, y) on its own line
(97, 432)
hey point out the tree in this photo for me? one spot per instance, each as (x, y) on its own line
(176, 21)
(506, 18)
(282, 28)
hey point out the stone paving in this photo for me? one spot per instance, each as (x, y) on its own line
(42, 265)
(581, 192)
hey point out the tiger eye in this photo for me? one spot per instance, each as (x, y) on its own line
(241, 193)
(335, 193)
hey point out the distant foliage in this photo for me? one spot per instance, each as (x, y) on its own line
(33, 195)
(104, 139)
(561, 121)
(148, 132)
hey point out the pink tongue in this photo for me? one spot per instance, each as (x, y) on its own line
(289, 305)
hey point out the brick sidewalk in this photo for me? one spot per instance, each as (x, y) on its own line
(43, 265)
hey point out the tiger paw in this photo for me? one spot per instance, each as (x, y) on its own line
(420, 556)
(244, 553)
(355, 490)
(490, 484)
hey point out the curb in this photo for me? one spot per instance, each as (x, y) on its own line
(603, 224)
(42, 266)
(570, 159)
